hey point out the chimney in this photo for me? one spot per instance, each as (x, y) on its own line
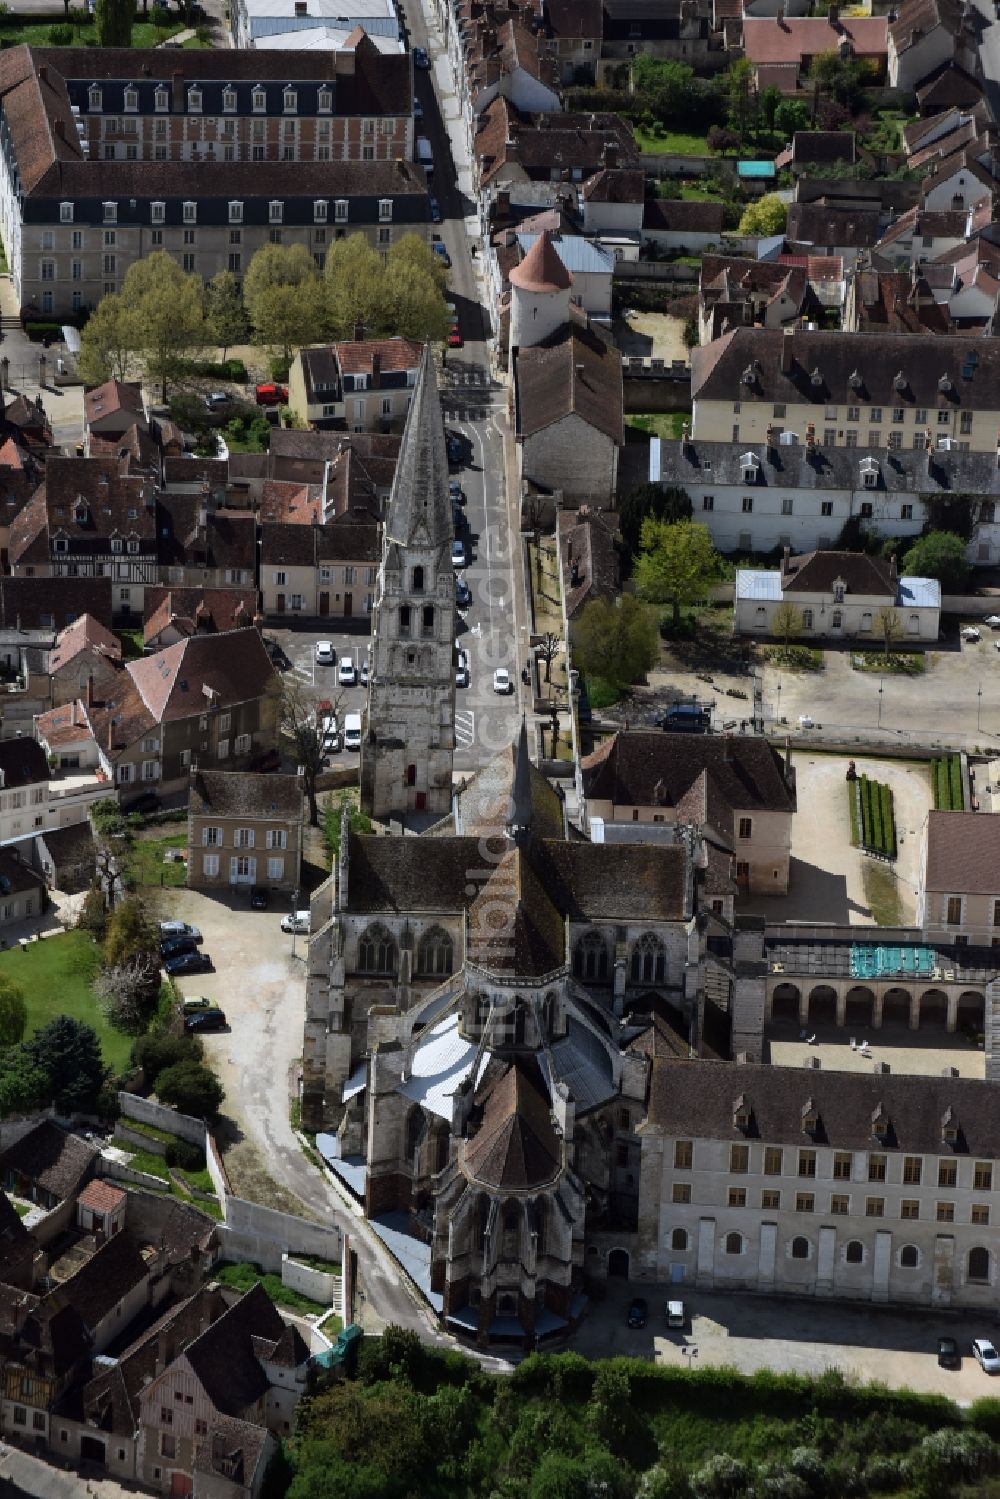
(90, 692)
(111, 736)
(769, 436)
(177, 91)
(60, 129)
(787, 351)
(376, 370)
(813, 1063)
(359, 331)
(727, 747)
(72, 713)
(686, 440)
(609, 156)
(786, 553)
(810, 435)
(881, 1068)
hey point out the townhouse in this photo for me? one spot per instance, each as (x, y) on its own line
(925, 35)
(804, 1182)
(358, 385)
(781, 48)
(174, 613)
(837, 596)
(317, 570)
(244, 829)
(958, 895)
(74, 221)
(849, 388)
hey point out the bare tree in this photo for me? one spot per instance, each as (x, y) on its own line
(889, 625)
(548, 648)
(297, 718)
(128, 992)
(787, 622)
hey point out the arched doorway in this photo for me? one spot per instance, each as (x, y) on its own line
(859, 1009)
(896, 1007)
(618, 1263)
(823, 1005)
(785, 1002)
(971, 1011)
(933, 1008)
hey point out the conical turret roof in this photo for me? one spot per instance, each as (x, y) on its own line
(419, 513)
(541, 270)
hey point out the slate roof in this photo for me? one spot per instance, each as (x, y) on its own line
(823, 146)
(419, 510)
(515, 927)
(587, 543)
(243, 793)
(816, 572)
(946, 86)
(615, 185)
(575, 18)
(829, 224)
(919, 18)
(229, 539)
(16, 875)
(483, 804)
(708, 777)
(233, 664)
(17, 1246)
(192, 609)
(678, 216)
(516, 1145)
(232, 1451)
(22, 763)
(223, 1358)
(111, 1274)
(698, 1102)
(49, 1156)
(577, 374)
(936, 372)
(963, 853)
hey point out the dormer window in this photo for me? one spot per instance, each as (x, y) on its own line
(194, 101)
(340, 211)
(810, 1118)
(855, 381)
(133, 546)
(320, 210)
(741, 1112)
(116, 544)
(945, 386)
(61, 544)
(229, 100)
(880, 1122)
(161, 100)
(259, 101)
(385, 210)
(839, 589)
(81, 513)
(95, 97)
(949, 1127)
(111, 213)
(275, 211)
(235, 212)
(157, 213)
(900, 383)
(131, 99)
(324, 100)
(190, 212)
(816, 380)
(290, 101)
(65, 213)
(748, 467)
(869, 473)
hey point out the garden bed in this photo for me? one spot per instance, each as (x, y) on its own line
(873, 820)
(946, 778)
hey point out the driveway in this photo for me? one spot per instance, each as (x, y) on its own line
(792, 1337)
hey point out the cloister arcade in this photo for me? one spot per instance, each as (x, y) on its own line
(870, 1006)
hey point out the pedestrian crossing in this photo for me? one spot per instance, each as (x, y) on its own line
(465, 728)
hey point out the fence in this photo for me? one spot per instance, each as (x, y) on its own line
(156, 1114)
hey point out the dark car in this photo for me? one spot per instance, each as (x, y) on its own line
(463, 593)
(420, 59)
(188, 962)
(455, 447)
(259, 898)
(638, 1313)
(205, 1020)
(148, 801)
(441, 251)
(948, 1355)
(173, 947)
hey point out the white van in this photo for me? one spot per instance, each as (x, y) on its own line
(352, 731)
(424, 155)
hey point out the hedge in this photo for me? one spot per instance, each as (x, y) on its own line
(221, 369)
(37, 331)
(878, 821)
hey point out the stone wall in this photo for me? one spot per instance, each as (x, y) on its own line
(147, 1112)
(263, 1236)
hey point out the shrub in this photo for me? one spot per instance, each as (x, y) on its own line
(190, 1088)
(37, 331)
(184, 1154)
(773, 1481)
(221, 369)
(61, 36)
(162, 17)
(722, 1477)
(955, 782)
(154, 1054)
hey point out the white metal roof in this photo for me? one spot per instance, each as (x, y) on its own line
(751, 583)
(442, 1060)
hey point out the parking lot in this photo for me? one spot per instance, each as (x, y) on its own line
(789, 1336)
(350, 639)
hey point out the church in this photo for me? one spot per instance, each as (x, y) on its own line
(483, 1000)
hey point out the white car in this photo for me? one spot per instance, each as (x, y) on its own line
(971, 633)
(986, 1355)
(331, 743)
(347, 672)
(806, 721)
(364, 672)
(325, 653)
(462, 669)
(501, 681)
(458, 554)
(298, 922)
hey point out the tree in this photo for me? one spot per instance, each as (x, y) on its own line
(297, 722)
(128, 992)
(130, 933)
(940, 555)
(787, 622)
(677, 563)
(13, 1012)
(68, 1053)
(190, 1088)
(23, 1084)
(667, 86)
(114, 22)
(825, 71)
(722, 141)
(283, 296)
(106, 343)
(791, 115)
(352, 275)
(661, 501)
(167, 315)
(889, 626)
(93, 917)
(226, 318)
(766, 215)
(154, 1054)
(741, 96)
(403, 294)
(770, 100)
(615, 640)
(548, 649)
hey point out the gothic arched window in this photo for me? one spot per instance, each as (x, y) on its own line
(590, 959)
(649, 960)
(418, 580)
(377, 951)
(436, 952)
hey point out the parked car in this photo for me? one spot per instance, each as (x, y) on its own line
(502, 682)
(435, 208)
(948, 1355)
(676, 1314)
(970, 633)
(456, 492)
(455, 338)
(418, 109)
(463, 593)
(194, 1002)
(458, 554)
(331, 742)
(217, 398)
(297, 922)
(206, 1020)
(170, 929)
(347, 672)
(420, 59)
(188, 962)
(325, 653)
(364, 672)
(259, 898)
(441, 251)
(638, 1313)
(986, 1355)
(806, 721)
(174, 946)
(455, 447)
(271, 394)
(462, 669)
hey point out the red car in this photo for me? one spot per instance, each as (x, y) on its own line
(271, 395)
(455, 338)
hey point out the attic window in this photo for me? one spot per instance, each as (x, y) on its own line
(949, 1127)
(229, 100)
(162, 100)
(816, 380)
(748, 467)
(855, 381)
(880, 1122)
(80, 513)
(945, 386)
(810, 1118)
(741, 1112)
(900, 383)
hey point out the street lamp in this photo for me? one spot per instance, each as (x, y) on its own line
(779, 702)
(880, 704)
(979, 708)
(690, 1354)
(295, 907)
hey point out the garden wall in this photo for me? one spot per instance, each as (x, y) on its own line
(158, 1115)
(318, 1285)
(216, 1170)
(118, 1171)
(978, 605)
(261, 1235)
(675, 164)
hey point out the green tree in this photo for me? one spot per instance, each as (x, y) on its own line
(403, 294)
(154, 1054)
(889, 626)
(786, 622)
(766, 215)
(677, 563)
(667, 87)
(13, 1012)
(129, 991)
(770, 101)
(940, 555)
(113, 20)
(615, 640)
(283, 296)
(68, 1053)
(130, 932)
(107, 343)
(23, 1084)
(353, 275)
(93, 917)
(741, 98)
(661, 501)
(167, 315)
(226, 320)
(791, 115)
(190, 1088)
(825, 71)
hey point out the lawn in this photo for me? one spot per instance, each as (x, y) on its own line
(56, 977)
(244, 1276)
(132, 644)
(35, 30)
(670, 142)
(668, 424)
(696, 192)
(147, 865)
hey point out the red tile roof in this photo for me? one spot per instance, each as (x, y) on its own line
(101, 1197)
(766, 40)
(541, 270)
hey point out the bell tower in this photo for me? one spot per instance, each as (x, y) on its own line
(408, 745)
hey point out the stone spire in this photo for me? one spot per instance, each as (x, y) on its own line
(419, 513)
(521, 799)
